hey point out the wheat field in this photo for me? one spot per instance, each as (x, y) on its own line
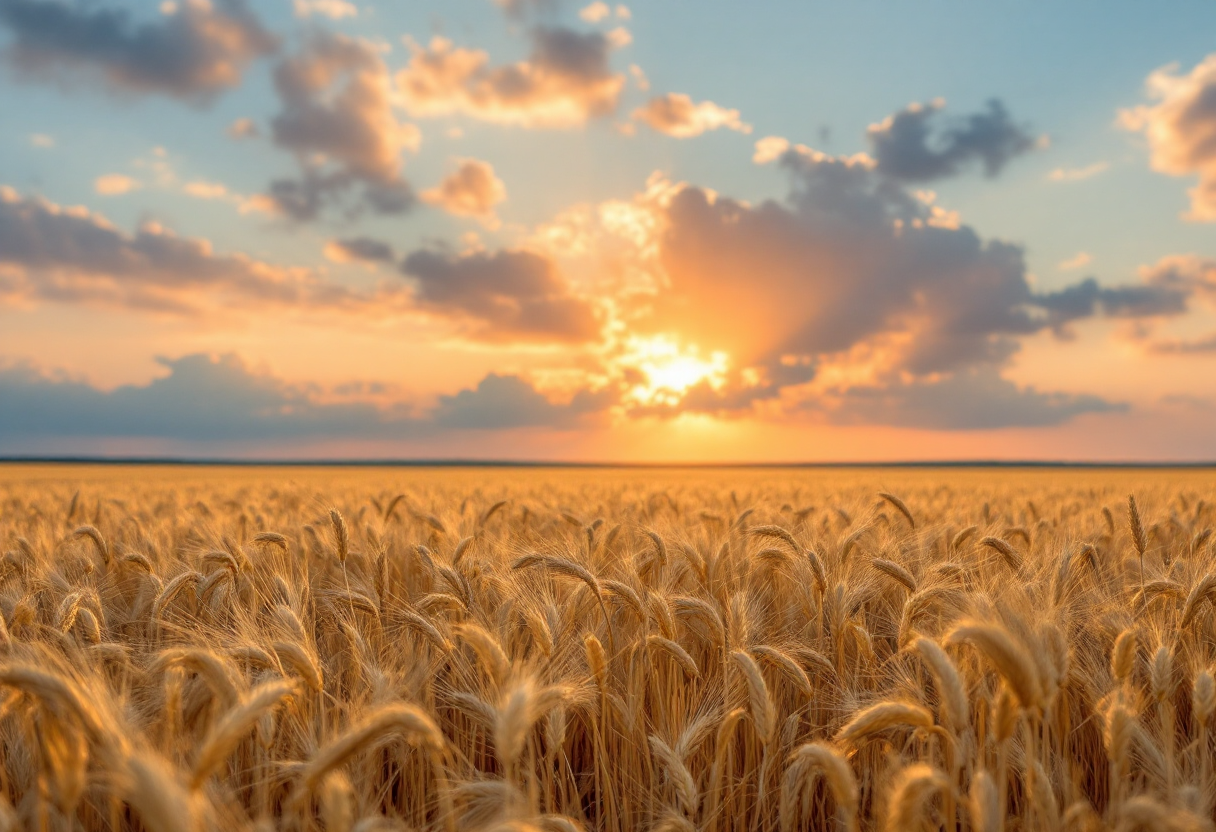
(617, 650)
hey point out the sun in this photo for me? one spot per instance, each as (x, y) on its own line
(669, 369)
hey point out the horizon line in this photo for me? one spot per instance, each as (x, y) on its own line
(456, 462)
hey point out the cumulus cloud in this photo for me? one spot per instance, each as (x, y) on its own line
(565, 82)
(195, 51)
(1181, 129)
(853, 281)
(472, 190)
(221, 399)
(918, 145)
(55, 254)
(338, 119)
(674, 114)
(501, 296)
(359, 250)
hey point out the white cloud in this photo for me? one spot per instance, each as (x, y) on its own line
(206, 190)
(675, 114)
(1077, 174)
(1077, 261)
(114, 184)
(769, 149)
(333, 9)
(595, 12)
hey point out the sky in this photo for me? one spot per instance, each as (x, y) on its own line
(655, 232)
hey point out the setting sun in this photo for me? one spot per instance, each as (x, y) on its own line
(670, 370)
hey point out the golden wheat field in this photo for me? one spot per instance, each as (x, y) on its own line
(526, 649)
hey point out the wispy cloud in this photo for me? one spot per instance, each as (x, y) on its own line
(1078, 174)
(1078, 261)
(115, 184)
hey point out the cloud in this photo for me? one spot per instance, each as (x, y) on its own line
(847, 259)
(675, 115)
(359, 250)
(243, 128)
(337, 117)
(204, 399)
(1186, 272)
(851, 281)
(472, 190)
(333, 9)
(564, 83)
(502, 296)
(770, 149)
(1078, 174)
(1085, 299)
(41, 140)
(507, 401)
(1184, 275)
(973, 400)
(194, 52)
(519, 9)
(114, 184)
(914, 146)
(1078, 261)
(54, 254)
(201, 189)
(595, 12)
(1181, 129)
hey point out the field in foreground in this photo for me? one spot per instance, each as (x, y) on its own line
(472, 649)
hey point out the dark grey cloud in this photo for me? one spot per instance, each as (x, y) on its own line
(194, 53)
(1085, 299)
(1179, 276)
(360, 250)
(55, 254)
(504, 295)
(201, 399)
(972, 400)
(507, 401)
(209, 399)
(918, 144)
(338, 119)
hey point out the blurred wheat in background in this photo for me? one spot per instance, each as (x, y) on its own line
(746, 650)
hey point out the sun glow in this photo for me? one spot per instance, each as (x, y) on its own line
(669, 368)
